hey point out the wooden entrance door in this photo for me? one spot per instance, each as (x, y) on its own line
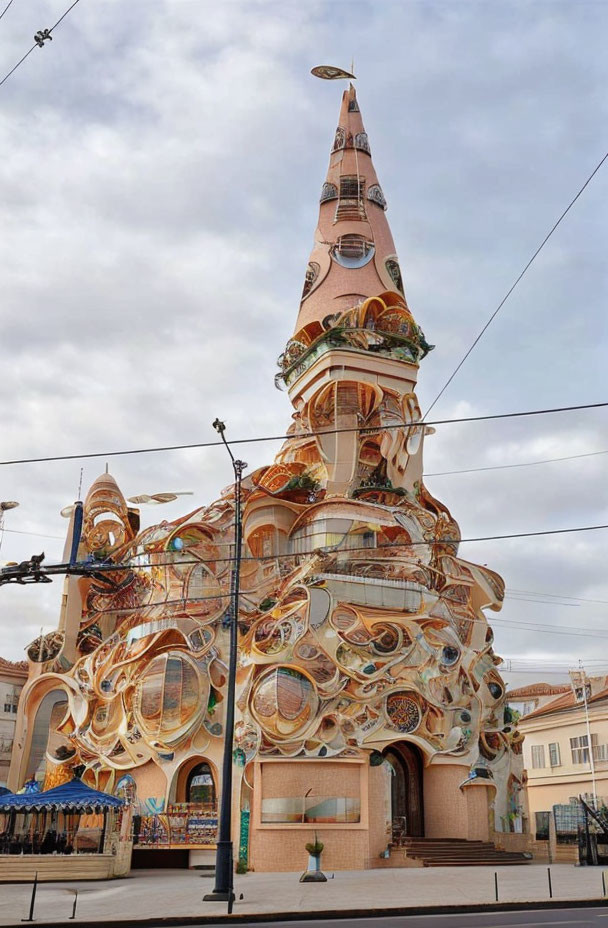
(407, 810)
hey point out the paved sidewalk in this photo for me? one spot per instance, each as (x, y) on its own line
(150, 894)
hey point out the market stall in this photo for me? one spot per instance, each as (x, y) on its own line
(69, 832)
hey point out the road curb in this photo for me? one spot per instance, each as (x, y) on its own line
(321, 914)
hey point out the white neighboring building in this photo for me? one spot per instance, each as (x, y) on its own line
(13, 675)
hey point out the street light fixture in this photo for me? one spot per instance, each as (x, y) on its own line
(4, 507)
(224, 863)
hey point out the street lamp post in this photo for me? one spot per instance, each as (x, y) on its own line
(4, 507)
(224, 864)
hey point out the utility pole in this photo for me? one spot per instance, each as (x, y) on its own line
(579, 682)
(224, 858)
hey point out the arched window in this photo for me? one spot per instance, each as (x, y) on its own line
(126, 788)
(200, 787)
(328, 192)
(312, 272)
(339, 139)
(361, 142)
(49, 715)
(376, 195)
(394, 271)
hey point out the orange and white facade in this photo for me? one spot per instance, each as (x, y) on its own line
(369, 704)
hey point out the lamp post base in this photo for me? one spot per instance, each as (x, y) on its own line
(218, 897)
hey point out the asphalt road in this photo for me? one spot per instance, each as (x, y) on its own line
(530, 918)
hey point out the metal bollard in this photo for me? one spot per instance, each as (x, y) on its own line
(496, 884)
(33, 899)
(73, 915)
(603, 882)
(550, 887)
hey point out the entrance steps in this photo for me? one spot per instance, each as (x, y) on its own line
(449, 852)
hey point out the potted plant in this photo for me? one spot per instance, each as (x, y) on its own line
(314, 874)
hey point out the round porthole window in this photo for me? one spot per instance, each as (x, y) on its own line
(449, 655)
(352, 251)
(495, 689)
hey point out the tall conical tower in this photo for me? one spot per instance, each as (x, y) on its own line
(356, 341)
(353, 256)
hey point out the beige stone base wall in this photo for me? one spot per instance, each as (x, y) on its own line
(283, 850)
(280, 847)
(509, 841)
(450, 812)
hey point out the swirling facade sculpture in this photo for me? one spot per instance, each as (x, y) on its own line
(360, 626)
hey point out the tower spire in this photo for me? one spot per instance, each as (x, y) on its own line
(353, 256)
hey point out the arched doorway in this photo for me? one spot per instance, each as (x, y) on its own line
(200, 788)
(407, 810)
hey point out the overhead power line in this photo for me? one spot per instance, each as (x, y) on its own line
(17, 531)
(446, 473)
(43, 34)
(515, 283)
(580, 599)
(104, 567)
(9, 4)
(476, 470)
(297, 435)
(517, 624)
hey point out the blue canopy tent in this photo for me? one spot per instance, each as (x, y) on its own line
(50, 820)
(74, 796)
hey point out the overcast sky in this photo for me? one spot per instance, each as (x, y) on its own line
(159, 182)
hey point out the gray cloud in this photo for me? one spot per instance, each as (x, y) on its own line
(158, 197)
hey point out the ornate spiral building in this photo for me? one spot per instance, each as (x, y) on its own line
(368, 699)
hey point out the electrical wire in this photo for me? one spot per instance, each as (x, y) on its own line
(105, 567)
(562, 596)
(300, 435)
(17, 531)
(9, 4)
(540, 602)
(63, 16)
(476, 470)
(514, 285)
(35, 45)
(19, 63)
(517, 624)
(436, 474)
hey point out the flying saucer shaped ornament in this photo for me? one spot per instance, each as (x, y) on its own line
(328, 73)
(157, 498)
(8, 504)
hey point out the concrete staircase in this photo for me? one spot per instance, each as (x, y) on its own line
(453, 852)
